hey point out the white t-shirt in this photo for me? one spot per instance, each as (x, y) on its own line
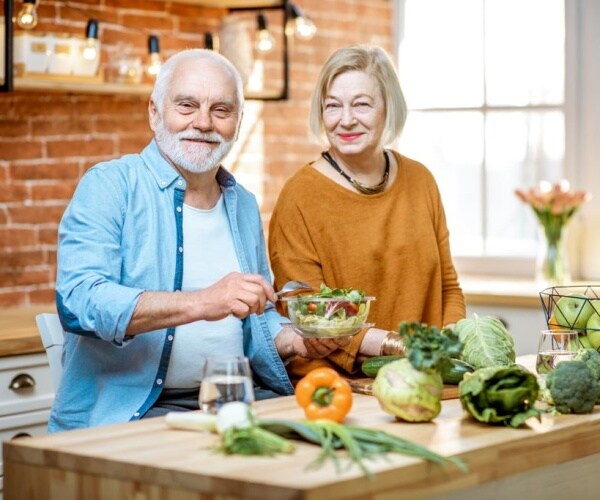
(208, 255)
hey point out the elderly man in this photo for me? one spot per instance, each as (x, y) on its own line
(162, 263)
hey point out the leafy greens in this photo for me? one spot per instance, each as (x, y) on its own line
(486, 342)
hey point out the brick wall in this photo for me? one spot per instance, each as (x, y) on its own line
(48, 141)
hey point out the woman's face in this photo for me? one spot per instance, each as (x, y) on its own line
(354, 113)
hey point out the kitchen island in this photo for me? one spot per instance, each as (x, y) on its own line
(554, 458)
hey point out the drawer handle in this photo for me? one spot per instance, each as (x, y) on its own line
(21, 435)
(22, 381)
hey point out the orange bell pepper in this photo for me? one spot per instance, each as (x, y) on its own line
(323, 393)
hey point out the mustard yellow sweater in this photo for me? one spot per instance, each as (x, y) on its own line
(393, 245)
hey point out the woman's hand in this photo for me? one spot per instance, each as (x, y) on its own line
(289, 344)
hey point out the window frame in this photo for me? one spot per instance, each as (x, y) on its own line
(524, 267)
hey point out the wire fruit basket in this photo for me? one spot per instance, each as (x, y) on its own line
(575, 307)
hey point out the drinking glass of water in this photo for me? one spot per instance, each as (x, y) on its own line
(555, 346)
(225, 379)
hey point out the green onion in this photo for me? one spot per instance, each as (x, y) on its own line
(360, 443)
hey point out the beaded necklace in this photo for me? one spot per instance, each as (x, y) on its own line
(359, 186)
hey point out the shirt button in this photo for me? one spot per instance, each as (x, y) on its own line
(178, 209)
(163, 183)
(170, 337)
(180, 183)
(159, 381)
(180, 249)
(136, 414)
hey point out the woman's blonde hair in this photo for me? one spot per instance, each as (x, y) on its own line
(374, 61)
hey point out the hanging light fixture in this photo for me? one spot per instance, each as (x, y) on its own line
(27, 18)
(298, 24)
(209, 41)
(90, 49)
(154, 60)
(264, 39)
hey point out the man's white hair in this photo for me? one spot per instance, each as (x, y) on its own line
(163, 80)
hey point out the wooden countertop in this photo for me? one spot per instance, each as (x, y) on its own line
(18, 331)
(498, 291)
(148, 456)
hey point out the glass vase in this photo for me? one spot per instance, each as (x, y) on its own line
(552, 266)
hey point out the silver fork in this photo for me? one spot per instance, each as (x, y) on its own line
(292, 286)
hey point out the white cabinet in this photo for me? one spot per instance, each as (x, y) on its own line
(26, 395)
(523, 323)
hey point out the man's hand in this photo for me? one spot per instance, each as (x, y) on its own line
(237, 294)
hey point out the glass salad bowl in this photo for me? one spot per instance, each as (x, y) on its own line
(315, 316)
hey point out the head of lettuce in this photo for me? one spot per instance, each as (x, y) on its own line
(500, 395)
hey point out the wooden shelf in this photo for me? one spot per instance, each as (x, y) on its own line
(230, 4)
(58, 84)
(54, 83)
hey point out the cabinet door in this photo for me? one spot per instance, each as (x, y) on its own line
(19, 426)
(25, 384)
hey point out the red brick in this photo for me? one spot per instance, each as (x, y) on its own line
(66, 125)
(10, 237)
(20, 150)
(91, 147)
(54, 191)
(138, 4)
(11, 192)
(13, 127)
(9, 298)
(133, 144)
(133, 125)
(150, 24)
(24, 258)
(22, 278)
(60, 170)
(36, 214)
(48, 236)
(43, 296)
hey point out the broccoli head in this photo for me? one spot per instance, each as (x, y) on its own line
(590, 357)
(573, 387)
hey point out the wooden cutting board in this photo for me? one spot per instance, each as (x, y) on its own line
(365, 386)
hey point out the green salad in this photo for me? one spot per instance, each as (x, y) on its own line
(331, 312)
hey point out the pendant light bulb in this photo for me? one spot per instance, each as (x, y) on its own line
(27, 18)
(298, 24)
(264, 39)
(305, 28)
(90, 49)
(154, 60)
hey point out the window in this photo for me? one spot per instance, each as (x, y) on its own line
(484, 83)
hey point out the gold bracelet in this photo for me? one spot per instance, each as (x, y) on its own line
(392, 345)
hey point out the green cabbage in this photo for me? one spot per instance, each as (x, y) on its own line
(486, 342)
(500, 395)
(407, 393)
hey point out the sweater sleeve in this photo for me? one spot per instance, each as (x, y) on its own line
(453, 302)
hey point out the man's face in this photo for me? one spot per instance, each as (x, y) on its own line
(199, 122)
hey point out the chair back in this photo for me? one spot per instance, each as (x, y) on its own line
(53, 338)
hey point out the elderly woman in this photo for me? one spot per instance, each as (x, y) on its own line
(363, 216)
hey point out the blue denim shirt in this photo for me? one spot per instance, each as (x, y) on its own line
(121, 235)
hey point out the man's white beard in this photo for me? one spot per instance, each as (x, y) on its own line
(193, 157)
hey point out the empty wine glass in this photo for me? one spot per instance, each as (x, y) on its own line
(555, 346)
(225, 379)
